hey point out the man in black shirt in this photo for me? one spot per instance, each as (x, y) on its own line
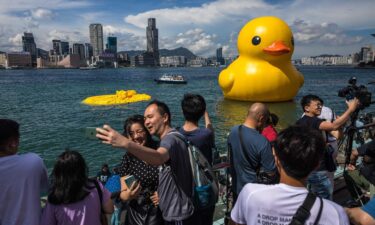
(318, 181)
(194, 108)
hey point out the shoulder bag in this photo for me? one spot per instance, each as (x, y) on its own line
(303, 212)
(174, 204)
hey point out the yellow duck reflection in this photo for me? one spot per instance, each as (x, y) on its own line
(263, 71)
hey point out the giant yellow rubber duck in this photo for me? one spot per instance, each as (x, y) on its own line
(263, 71)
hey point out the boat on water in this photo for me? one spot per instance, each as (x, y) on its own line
(172, 79)
(88, 68)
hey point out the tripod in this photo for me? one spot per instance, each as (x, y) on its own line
(351, 131)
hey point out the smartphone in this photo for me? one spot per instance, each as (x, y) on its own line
(90, 132)
(130, 180)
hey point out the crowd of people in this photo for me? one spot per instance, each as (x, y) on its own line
(277, 178)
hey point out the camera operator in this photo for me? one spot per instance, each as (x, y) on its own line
(365, 175)
(318, 180)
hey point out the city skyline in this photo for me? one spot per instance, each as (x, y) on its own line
(319, 27)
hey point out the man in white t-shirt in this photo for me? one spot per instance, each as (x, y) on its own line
(23, 177)
(297, 153)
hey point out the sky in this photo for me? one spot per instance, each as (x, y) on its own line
(319, 26)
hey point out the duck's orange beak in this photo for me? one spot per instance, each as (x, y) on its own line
(277, 48)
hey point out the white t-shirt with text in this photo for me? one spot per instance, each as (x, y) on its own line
(259, 204)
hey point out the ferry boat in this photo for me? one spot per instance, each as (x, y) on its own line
(90, 67)
(172, 79)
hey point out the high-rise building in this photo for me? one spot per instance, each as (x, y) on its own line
(79, 49)
(365, 54)
(42, 53)
(219, 56)
(28, 45)
(111, 45)
(65, 48)
(88, 51)
(96, 38)
(153, 40)
(56, 46)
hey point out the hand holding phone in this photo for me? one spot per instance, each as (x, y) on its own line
(90, 133)
(130, 180)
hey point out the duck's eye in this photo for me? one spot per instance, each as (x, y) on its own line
(292, 41)
(256, 40)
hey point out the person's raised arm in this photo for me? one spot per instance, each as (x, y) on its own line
(112, 137)
(207, 121)
(329, 126)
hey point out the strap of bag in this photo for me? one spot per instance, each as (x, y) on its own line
(191, 158)
(100, 195)
(320, 211)
(303, 212)
(182, 138)
(243, 150)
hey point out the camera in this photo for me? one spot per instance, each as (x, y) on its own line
(353, 91)
(366, 118)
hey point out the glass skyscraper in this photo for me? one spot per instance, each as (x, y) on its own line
(28, 45)
(112, 44)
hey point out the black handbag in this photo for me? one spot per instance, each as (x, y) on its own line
(262, 177)
(174, 204)
(329, 161)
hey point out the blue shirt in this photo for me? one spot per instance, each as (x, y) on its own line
(259, 151)
(370, 208)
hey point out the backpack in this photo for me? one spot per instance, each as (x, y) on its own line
(205, 183)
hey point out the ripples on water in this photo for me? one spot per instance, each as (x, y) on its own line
(47, 104)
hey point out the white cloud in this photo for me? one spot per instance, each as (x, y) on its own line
(214, 14)
(109, 29)
(16, 40)
(41, 13)
(325, 34)
(196, 40)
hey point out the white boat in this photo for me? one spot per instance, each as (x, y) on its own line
(88, 68)
(172, 79)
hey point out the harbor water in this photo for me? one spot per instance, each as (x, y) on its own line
(47, 104)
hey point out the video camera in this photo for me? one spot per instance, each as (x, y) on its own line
(366, 118)
(354, 91)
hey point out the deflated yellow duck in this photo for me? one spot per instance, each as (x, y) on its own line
(263, 71)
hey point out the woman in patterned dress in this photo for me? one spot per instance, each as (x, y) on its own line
(141, 195)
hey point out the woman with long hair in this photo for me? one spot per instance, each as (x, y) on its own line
(73, 197)
(141, 194)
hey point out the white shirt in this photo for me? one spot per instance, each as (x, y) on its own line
(327, 114)
(259, 204)
(22, 179)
